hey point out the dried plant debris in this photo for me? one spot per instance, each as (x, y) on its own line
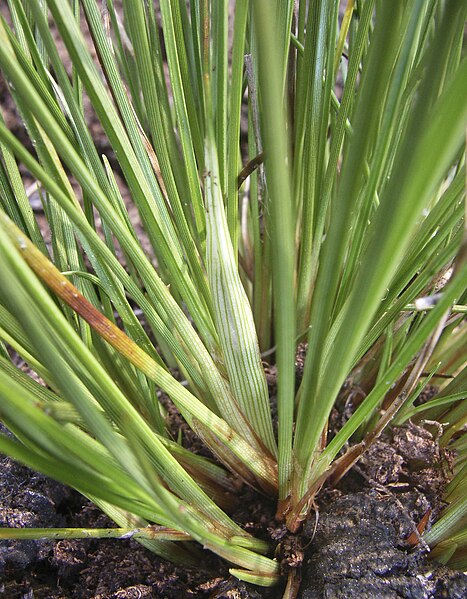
(410, 458)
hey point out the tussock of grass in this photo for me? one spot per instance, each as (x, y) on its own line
(325, 227)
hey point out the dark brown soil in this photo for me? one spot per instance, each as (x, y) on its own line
(98, 569)
(358, 551)
(355, 545)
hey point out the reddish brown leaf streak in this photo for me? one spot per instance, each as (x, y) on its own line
(64, 289)
(414, 538)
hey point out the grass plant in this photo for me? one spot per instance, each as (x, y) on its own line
(299, 177)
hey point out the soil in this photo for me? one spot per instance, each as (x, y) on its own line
(358, 551)
(354, 545)
(98, 569)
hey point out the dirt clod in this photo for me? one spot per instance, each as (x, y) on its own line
(410, 458)
(357, 551)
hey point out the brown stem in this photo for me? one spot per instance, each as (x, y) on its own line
(293, 584)
(250, 168)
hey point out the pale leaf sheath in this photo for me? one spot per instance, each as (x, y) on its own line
(259, 463)
(232, 312)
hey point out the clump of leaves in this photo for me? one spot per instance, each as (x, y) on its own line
(299, 176)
